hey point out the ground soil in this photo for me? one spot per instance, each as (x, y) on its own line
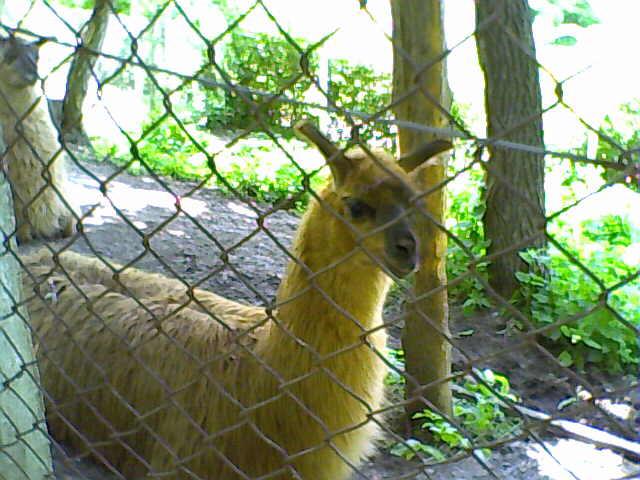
(229, 247)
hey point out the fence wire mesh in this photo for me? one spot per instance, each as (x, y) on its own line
(154, 375)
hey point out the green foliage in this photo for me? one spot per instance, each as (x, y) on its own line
(165, 150)
(264, 63)
(411, 447)
(395, 379)
(464, 220)
(284, 184)
(565, 41)
(478, 413)
(623, 128)
(271, 64)
(556, 289)
(120, 6)
(359, 88)
(612, 229)
(571, 12)
(577, 12)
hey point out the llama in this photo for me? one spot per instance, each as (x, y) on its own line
(34, 159)
(160, 380)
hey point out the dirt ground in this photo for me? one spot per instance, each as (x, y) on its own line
(189, 245)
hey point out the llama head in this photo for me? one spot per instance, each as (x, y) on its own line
(18, 62)
(375, 194)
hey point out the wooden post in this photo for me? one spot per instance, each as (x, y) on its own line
(418, 38)
(24, 447)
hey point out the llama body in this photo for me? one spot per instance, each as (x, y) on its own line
(202, 408)
(288, 395)
(34, 159)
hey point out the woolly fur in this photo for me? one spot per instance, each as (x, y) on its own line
(186, 384)
(35, 163)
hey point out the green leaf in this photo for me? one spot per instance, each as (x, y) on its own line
(411, 447)
(581, 14)
(565, 41)
(592, 343)
(562, 404)
(466, 333)
(565, 359)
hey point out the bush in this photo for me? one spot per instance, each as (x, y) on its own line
(271, 64)
(264, 63)
(464, 221)
(283, 183)
(256, 171)
(477, 410)
(165, 150)
(565, 290)
(624, 129)
(358, 88)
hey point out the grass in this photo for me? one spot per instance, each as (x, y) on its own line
(255, 167)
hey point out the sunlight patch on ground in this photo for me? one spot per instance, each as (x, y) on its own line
(571, 459)
(177, 233)
(129, 200)
(241, 210)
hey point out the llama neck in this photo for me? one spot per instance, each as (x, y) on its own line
(346, 299)
(16, 102)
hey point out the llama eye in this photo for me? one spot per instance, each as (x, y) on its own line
(359, 209)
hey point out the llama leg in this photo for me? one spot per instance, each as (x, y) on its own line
(40, 211)
(23, 227)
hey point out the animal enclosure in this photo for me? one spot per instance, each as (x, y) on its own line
(370, 247)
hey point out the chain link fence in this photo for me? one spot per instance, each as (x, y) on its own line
(294, 371)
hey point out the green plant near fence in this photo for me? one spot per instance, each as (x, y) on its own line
(464, 213)
(264, 63)
(359, 88)
(479, 412)
(565, 290)
(624, 129)
(271, 64)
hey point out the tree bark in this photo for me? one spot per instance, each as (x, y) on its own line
(24, 446)
(418, 38)
(92, 36)
(515, 179)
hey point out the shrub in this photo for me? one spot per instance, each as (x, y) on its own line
(264, 63)
(464, 221)
(359, 88)
(565, 290)
(477, 410)
(624, 129)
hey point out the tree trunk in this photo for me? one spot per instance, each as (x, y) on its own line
(24, 446)
(515, 179)
(418, 39)
(92, 35)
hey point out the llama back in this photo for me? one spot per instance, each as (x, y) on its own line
(166, 403)
(144, 285)
(162, 387)
(116, 375)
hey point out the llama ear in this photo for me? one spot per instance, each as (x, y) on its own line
(338, 162)
(423, 153)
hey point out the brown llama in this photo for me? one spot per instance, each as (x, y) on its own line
(157, 380)
(34, 159)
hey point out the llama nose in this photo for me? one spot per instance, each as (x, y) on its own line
(405, 247)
